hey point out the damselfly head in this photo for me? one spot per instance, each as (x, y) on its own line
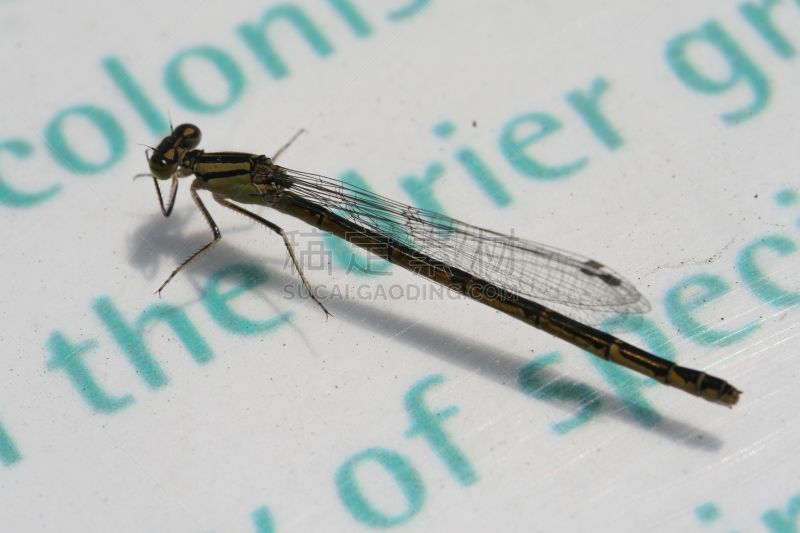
(161, 167)
(187, 137)
(166, 158)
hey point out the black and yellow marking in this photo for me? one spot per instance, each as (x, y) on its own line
(255, 179)
(166, 157)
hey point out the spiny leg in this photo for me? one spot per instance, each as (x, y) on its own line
(277, 229)
(285, 146)
(211, 224)
(174, 190)
(166, 210)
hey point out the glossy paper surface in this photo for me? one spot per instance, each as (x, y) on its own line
(658, 138)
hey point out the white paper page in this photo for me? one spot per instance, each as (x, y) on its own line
(658, 138)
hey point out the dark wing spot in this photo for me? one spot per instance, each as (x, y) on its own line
(607, 278)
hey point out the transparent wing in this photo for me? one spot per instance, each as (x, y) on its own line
(527, 268)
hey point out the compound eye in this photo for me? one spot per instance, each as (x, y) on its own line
(188, 136)
(160, 167)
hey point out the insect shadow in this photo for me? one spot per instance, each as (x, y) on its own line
(157, 245)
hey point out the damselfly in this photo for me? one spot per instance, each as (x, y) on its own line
(503, 272)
